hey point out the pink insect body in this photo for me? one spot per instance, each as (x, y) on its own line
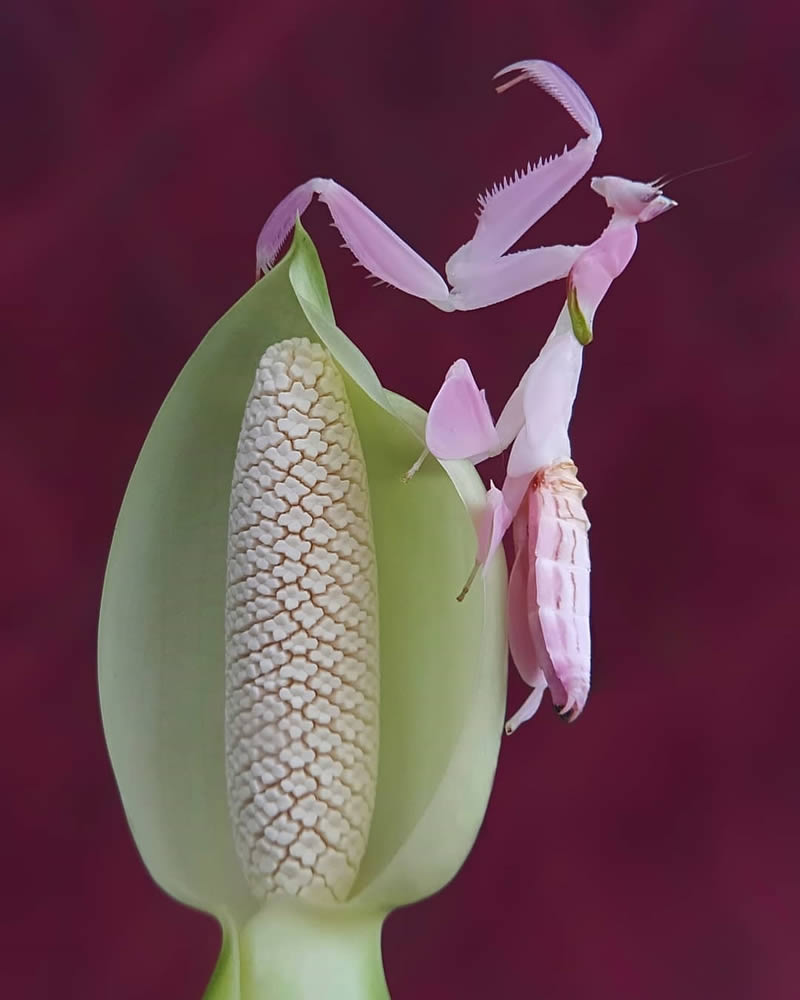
(558, 583)
(548, 593)
(548, 607)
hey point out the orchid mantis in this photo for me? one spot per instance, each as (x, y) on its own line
(548, 598)
(541, 496)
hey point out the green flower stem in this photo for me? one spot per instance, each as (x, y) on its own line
(291, 951)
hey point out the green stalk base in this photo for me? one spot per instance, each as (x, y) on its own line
(290, 951)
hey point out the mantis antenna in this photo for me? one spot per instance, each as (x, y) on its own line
(662, 182)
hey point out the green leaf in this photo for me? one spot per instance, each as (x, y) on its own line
(161, 648)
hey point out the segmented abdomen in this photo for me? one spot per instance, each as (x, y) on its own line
(559, 550)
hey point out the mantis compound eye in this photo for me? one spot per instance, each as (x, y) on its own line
(654, 206)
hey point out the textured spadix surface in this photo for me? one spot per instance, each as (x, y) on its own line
(301, 629)
(162, 653)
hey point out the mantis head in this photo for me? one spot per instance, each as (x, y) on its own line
(634, 200)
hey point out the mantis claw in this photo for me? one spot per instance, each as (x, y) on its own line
(559, 85)
(482, 271)
(280, 222)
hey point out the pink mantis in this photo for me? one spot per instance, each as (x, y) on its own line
(548, 613)
(549, 583)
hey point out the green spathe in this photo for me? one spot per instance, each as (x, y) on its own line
(161, 657)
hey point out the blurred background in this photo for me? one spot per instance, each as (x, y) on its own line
(650, 850)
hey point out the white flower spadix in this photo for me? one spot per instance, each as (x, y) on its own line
(301, 686)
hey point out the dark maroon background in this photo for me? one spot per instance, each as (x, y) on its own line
(651, 850)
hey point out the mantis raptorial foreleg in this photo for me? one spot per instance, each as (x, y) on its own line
(480, 272)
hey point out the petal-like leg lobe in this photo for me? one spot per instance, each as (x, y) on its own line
(459, 424)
